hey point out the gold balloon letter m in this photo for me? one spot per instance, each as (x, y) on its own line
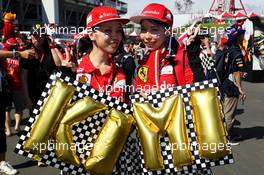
(152, 122)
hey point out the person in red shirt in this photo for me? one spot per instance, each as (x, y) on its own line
(159, 68)
(12, 66)
(97, 69)
(9, 26)
(5, 167)
(15, 85)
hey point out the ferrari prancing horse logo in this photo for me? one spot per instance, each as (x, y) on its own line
(143, 74)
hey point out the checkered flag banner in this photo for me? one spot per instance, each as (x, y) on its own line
(84, 132)
(131, 159)
(207, 62)
(200, 165)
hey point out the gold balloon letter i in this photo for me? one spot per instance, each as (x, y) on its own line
(152, 122)
(209, 125)
(109, 143)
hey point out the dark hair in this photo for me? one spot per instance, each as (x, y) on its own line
(45, 44)
(83, 44)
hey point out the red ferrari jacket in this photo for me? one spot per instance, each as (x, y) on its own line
(156, 72)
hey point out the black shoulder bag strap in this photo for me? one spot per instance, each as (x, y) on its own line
(173, 48)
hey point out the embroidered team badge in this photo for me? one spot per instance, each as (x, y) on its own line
(143, 74)
(84, 78)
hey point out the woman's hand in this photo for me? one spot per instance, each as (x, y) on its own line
(27, 53)
(192, 33)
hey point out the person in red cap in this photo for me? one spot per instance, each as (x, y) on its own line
(5, 167)
(15, 84)
(97, 69)
(159, 69)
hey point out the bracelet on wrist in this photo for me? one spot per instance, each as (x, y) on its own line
(16, 54)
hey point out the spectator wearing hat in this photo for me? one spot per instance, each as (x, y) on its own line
(160, 68)
(97, 67)
(17, 92)
(5, 167)
(165, 63)
(232, 85)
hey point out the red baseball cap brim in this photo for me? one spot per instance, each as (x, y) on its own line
(121, 20)
(139, 18)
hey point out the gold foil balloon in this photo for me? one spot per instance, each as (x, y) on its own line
(177, 132)
(36, 157)
(209, 124)
(152, 122)
(109, 143)
(48, 119)
(56, 119)
(77, 112)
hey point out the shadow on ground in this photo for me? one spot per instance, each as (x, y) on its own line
(27, 164)
(239, 111)
(256, 132)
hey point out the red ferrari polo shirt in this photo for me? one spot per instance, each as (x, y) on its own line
(112, 82)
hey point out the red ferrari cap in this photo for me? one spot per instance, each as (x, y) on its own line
(155, 11)
(102, 14)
